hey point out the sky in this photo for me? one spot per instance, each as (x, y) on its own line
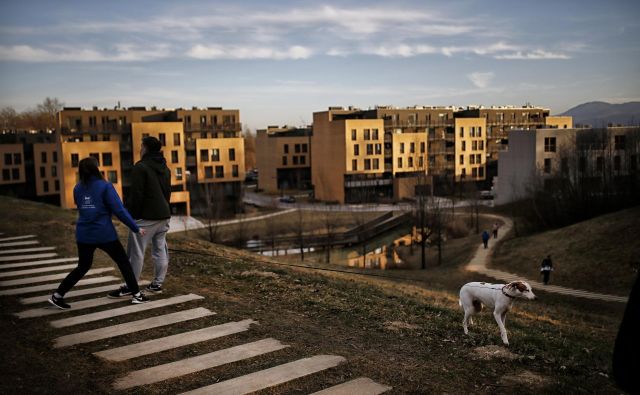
(279, 61)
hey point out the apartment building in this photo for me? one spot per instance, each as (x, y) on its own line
(12, 165)
(283, 157)
(551, 155)
(355, 159)
(47, 168)
(470, 149)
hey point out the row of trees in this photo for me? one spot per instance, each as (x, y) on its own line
(42, 117)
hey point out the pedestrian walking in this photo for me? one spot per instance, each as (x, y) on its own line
(495, 230)
(485, 238)
(148, 203)
(97, 200)
(546, 267)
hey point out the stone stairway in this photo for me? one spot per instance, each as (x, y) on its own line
(24, 269)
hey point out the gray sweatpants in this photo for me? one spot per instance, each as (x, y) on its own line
(137, 244)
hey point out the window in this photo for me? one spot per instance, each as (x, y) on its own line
(54, 171)
(179, 173)
(472, 132)
(376, 164)
(619, 142)
(74, 160)
(92, 121)
(284, 161)
(93, 137)
(219, 172)
(17, 159)
(474, 145)
(6, 175)
(163, 139)
(463, 174)
(145, 135)
(54, 155)
(481, 145)
(354, 164)
(176, 139)
(480, 133)
(367, 134)
(174, 156)
(204, 155)
(400, 163)
(304, 148)
(402, 148)
(369, 149)
(367, 164)
(461, 131)
(106, 137)
(56, 184)
(549, 144)
(295, 160)
(464, 146)
(412, 148)
(203, 120)
(8, 159)
(547, 165)
(474, 172)
(45, 186)
(232, 154)
(478, 158)
(617, 163)
(423, 148)
(286, 148)
(96, 156)
(378, 148)
(472, 159)
(107, 159)
(215, 155)
(599, 163)
(462, 159)
(356, 150)
(296, 148)
(235, 170)
(374, 134)
(303, 160)
(15, 173)
(354, 135)
(410, 161)
(43, 171)
(112, 176)
(421, 162)
(481, 172)
(208, 172)
(203, 135)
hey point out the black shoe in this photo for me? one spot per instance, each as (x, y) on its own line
(139, 299)
(59, 303)
(156, 289)
(119, 293)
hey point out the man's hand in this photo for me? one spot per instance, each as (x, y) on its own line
(142, 232)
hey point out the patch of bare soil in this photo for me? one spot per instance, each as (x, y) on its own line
(526, 378)
(259, 273)
(487, 353)
(399, 325)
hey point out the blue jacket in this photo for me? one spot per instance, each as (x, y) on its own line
(96, 202)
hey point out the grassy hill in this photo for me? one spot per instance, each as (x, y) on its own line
(602, 254)
(403, 333)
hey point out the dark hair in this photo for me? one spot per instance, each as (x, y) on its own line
(87, 168)
(152, 144)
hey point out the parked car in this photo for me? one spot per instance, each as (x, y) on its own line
(288, 199)
(486, 195)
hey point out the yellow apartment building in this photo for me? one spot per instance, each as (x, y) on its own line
(71, 153)
(283, 158)
(470, 149)
(220, 159)
(558, 122)
(47, 169)
(12, 165)
(171, 138)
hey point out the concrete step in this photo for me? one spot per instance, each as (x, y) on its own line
(130, 327)
(19, 243)
(53, 286)
(271, 377)
(101, 315)
(41, 279)
(23, 257)
(36, 263)
(79, 292)
(169, 342)
(17, 238)
(196, 364)
(26, 250)
(75, 306)
(16, 273)
(359, 386)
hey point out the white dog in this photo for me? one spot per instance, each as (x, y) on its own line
(496, 296)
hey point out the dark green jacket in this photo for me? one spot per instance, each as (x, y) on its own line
(150, 188)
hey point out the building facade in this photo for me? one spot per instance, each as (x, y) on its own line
(283, 157)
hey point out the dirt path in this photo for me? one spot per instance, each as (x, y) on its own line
(482, 256)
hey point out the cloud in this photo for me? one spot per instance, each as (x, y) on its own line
(400, 50)
(60, 53)
(481, 80)
(537, 54)
(200, 51)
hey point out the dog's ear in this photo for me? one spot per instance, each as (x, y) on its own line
(520, 286)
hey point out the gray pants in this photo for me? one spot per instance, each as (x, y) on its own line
(137, 244)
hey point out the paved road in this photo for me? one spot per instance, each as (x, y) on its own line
(483, 256)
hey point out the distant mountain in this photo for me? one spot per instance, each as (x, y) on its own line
(598, 113)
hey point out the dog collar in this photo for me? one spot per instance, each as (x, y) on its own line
(506, 294)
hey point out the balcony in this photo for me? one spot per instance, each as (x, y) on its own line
(231, 127)
(390, 123)
(110, 129)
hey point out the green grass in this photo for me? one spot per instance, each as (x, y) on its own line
(566, 340)
(601, 255)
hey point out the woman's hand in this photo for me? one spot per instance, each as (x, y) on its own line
(142, 232)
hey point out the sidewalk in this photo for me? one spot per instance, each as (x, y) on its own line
(182, 223)
(482, 257)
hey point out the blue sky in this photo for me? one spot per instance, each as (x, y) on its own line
(277, 62)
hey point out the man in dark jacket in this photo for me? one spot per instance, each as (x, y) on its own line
(148, 204)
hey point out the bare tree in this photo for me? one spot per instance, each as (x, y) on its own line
(437, 219)
(472, 195)
(214, 207)
(49, 109)
(249, 149)
(330, 228)
(8, 119)
(299, 230)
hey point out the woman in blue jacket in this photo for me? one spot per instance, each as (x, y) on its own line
(97, 200)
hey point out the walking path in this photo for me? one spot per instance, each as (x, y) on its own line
(482, 257)
(181, 223)
(172, 310)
